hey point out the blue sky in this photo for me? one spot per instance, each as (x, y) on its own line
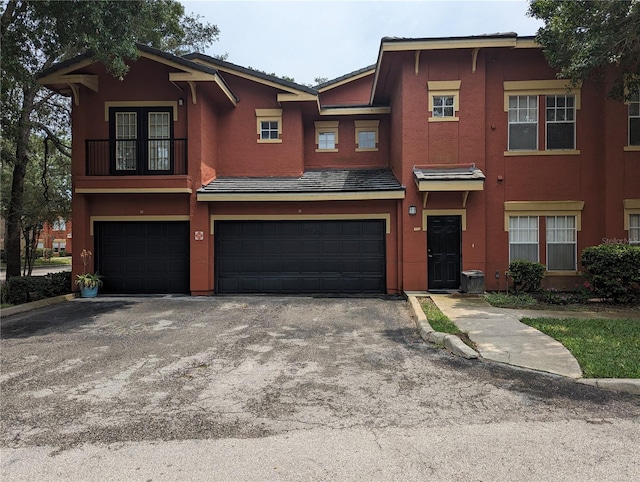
(309, 39)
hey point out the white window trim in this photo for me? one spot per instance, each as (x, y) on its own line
(367, 126)
(631, 207)
(629, 146)
(444, 88)
(323, 127)
(269, 115)
(547, 122)
(575, 244)
(539, 88)
(547, 208)
(537, 237)
(537, 123)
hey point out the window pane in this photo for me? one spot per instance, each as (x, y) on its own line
(561, 257)
(561, 243)
(523, 137)
(326, 140)
(523, 122)
(523, 238)
(366, 140)
(634, 229)
(560, 135)
(443, 106)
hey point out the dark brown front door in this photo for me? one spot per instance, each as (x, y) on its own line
(444, 251)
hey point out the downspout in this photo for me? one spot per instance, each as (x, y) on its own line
(399, 245)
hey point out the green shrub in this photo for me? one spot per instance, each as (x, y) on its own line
(526, 275)
(23, 289)
(613, 271)
(517, 300)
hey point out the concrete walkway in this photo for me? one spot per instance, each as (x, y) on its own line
(501, 337)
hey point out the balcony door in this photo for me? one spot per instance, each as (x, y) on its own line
(141, 140)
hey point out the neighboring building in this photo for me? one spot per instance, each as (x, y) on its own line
(199, 176)
(57, 237)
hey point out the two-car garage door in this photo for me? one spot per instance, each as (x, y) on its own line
(298, 257)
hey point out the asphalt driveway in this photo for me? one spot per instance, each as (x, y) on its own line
(122, 370)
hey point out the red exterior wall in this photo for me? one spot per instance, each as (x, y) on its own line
(222, 141)
(355, 92)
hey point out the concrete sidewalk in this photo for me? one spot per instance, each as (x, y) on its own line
(501, 337)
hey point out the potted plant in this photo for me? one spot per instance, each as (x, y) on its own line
(88, 282)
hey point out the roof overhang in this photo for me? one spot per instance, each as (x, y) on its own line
(302, 196)
(64, 79)
(462, 178)
(474, 43)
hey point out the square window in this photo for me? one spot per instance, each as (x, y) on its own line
(269, 122)
(268, 130)
(366, 140)
(326, 136)
(326, 140)
(443, 106)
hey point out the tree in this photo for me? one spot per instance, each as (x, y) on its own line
(47, 191)
(37, 34)
(582, 38)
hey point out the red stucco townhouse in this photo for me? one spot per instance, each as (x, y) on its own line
(195, 175)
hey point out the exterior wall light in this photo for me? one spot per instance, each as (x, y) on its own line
(180, 101)
(412, 210)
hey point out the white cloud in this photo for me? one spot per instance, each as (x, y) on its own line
(305, 39)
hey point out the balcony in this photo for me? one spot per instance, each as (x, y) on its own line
(136, 157)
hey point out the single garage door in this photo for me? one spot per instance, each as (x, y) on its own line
(143, 257)
(296, 257)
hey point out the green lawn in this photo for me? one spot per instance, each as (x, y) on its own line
(64, 261)
(438, 320)
(604, 348)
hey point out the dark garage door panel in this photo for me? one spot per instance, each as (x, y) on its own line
(300, 257)
(143, 257)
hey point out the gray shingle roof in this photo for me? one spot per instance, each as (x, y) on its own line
(312, 181)
(470, 173)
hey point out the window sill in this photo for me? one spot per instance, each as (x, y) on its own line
(563, 273)
(269, 141)
(444, 119)
(326, 150)
(632, 148)
(568, 152)
(366, 149)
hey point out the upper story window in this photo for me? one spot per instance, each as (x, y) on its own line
(326, 136)
(443, 100)
(59, 225)
(367, 132)
(561, 122)
(523, 122)
(269, 125)
(524, 101)
(443, 105)
(142, 140)
(634, 118)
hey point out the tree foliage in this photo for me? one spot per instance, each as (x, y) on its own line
(581, 38)
(37, 34)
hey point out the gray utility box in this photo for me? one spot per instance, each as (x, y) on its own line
(472, 282)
